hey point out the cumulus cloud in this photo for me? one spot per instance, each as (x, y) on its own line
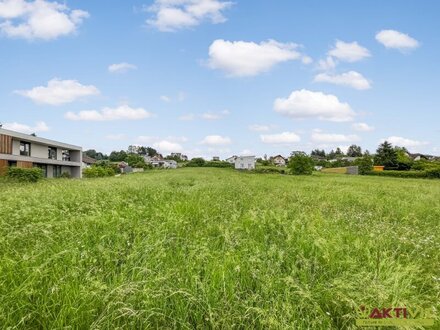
(351, 78)
(241, 58)
(167, 146)
(216, 140)
(59, 92)
(173, 15)
(397, 40)
(116, 137)
(349, 51)
(281, 138)
(40, 126)
(362, 127)
(121, 67)
(404, 142)
(38, 19)
(307, 104)
(328, 64)
(320, 137)
(187, 117)
(214, 115)
(123, 112)
(259, 128)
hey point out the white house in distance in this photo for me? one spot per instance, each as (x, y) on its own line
(279, 160)
(245, 163)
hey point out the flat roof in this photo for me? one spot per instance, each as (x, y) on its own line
(37, 139)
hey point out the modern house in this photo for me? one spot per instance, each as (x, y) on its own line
(27, 151)
(279, 160)
(216, 159)
(245, 163)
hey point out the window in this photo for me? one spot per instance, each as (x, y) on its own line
(52, 153)
(12, 163)
(66, 155)
(25, 148)
(56, 171)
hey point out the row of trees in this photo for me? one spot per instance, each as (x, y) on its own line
(122, 155)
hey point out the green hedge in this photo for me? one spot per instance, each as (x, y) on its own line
(432, 174)
(25, 174)
(269, 170)
(98, 172)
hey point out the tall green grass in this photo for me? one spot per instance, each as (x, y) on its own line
(215, 248)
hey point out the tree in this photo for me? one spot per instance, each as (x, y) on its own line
(132, 149)
(386, 155)
(134, 160)
(365, 164)
(118, 156)
(300, 163)
(151, 151)
(338, 152)
(318, 153)
(404, 162)
(196, 162)
(354, 151)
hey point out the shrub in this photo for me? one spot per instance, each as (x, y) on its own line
(196, 162)
(98, 172)
(25, 174)
(218, 164)
(365, 164)
(269, 170)
(301, 164)
(433, 173)
(65, 175)
(399, 174)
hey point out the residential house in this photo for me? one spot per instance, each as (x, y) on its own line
(87, 161)
(180, 156)
(27, 151)
(215, 158)
(279, 160)
(231, 159)
(245, 163)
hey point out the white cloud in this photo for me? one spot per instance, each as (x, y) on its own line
(146, 139)
(327, 64)
(40, 126)
(173, 15)
(259, 128)
(123, 112)
(362, 127)
(307, 104)
(333, 138)
(167, 146)
(306, 59)
(59, 92)
(241, 58)
(38, 19)
(165, 98)
(246, 152)
(116, 137)
(281, 138)
(349, 51)
(187, 117)
(214, 115)
(351, 78)
(121, 67)
(216, 140)
(404, 142)
(397, 40)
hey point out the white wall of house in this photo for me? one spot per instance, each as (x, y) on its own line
(245, 163)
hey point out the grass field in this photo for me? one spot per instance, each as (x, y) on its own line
(215, 248)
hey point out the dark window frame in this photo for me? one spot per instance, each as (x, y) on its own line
(25, 152)
(52, 153)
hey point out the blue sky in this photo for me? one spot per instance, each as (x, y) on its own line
(217, 78)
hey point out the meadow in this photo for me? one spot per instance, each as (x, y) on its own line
(216, 248)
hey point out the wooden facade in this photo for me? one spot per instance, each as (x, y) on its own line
(3, 167)
(5, 144)
(24, 164)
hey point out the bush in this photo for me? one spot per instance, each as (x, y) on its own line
(218, 164)
(196, 162)
(365, 164)
(301, 164)
(433, 173)
(399, 174)
(25, 174)
(269, 170)
(65, 175)
(98, 172)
